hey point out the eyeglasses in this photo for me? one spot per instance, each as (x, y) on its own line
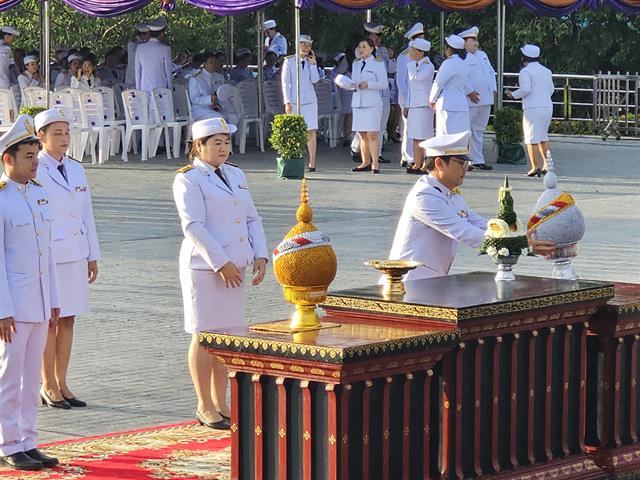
(459, 161)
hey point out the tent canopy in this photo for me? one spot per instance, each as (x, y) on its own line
(112, 8)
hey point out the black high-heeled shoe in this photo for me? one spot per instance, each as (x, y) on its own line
(49, 402)
(536, 172)
(75, 402)
(375, 170)
(220, 425)
(544, 171)
(224, 417)
(366, 168)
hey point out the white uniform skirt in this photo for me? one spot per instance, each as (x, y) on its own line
(420, 123)
(535, 124)
(366, 119)
(208, 303)
(73, 287)
(452, 122)
(310, 113)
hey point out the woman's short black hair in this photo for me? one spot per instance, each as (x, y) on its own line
(526, 59)
(461, 52)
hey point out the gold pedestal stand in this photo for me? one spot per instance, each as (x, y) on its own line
(394, 270)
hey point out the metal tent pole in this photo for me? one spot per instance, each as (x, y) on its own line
(230, 37)
(441, 33)
(369, 16)
(296, 48)
(46, 47)
(503, 29)
(260, 57)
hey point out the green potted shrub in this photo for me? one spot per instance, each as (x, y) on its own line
(31, 110)
(507, 124)
(289, 139)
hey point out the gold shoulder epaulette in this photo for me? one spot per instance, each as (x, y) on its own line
(185, 169)
(36, 182)
(2, 185)
(231, 164)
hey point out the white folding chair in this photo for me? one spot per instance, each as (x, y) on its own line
(35, 97)
(100, 134)
(245, 100)
(17, 99)
(79, 134)
(324, 94)
(273, 103)
(6, 110)
(166, 118)
(108, 101)
(136, 109)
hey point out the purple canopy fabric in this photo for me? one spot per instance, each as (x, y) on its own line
(230, 7)
(551, 11)
(106, 8)
(624, 7)
(6, 5)
(332, 5)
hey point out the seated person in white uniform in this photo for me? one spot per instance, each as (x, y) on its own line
(241, 71)
(436, 218)
(270, 67)
(202, 89)
(75, 248)
(74, 62)
(30, 77)
(223, 240)
(308, 100)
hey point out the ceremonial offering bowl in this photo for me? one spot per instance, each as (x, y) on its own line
(394, 270)
(505, 272)
(561, 259)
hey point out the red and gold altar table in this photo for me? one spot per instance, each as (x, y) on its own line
(462, 377)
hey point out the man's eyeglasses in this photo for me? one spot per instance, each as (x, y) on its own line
(463, 163)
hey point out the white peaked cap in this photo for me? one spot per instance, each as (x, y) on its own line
(211, 126)
(454, 41)
(305, 39)
(420, 44)
(531, 51)
(470, 33)
(7, 30)
(142, 27)
(48, 117)
(269, 24)
(373, 28)
(417, 29)
(74, 56)
(30, 59)
(338, 57)
(443, 145)
(243, 51)
(158, 24)
(21, 130)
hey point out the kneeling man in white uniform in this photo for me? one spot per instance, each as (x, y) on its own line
(436, 218)
(28, 295)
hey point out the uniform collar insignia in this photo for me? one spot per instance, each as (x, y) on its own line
(35, 182)
(2, 184)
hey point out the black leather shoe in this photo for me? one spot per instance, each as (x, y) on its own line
(414, 171)
(366, 168)
(46, 400)
(355, 156)
(224, 417)
(403, 163)
(375, 170)
(311, 169)
(383, 160)
(21, 461)
(75, 402)
(45, 460)
(482, 166)
(221, 425)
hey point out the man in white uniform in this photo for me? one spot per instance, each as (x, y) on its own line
(202, 90)
(274, 40)
(8, 36)
(402, 81)
(482, 78)
(28, 295)
(142, 35)
(308, 101)
(436, 218)
(153, 59)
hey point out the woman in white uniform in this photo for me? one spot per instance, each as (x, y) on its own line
(308, 101)
(75, 248)
(85, 78)
(419, 114)
(450, 90)
(370, 78)
(223, 236)
(536, 88)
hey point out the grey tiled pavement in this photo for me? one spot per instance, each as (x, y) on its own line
(129, 357)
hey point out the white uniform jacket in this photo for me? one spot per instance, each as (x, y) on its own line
(373, 72)
(420, 79)
(220, 223)
(482, 77)
(201, 86)
(25, 79)
(5, 61)
(28, 286)
(278, 43)
(434, 220)
(63, 79)
(85, 83)
(402, 78)
(536, 86)
(74, 228)
(308, 76)
(153, 65)
(451, 86)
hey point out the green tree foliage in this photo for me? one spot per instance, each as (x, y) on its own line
(584, 42)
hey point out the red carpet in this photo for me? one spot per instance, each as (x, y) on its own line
(185, 451)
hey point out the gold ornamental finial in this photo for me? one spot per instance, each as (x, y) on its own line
(304, 213)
